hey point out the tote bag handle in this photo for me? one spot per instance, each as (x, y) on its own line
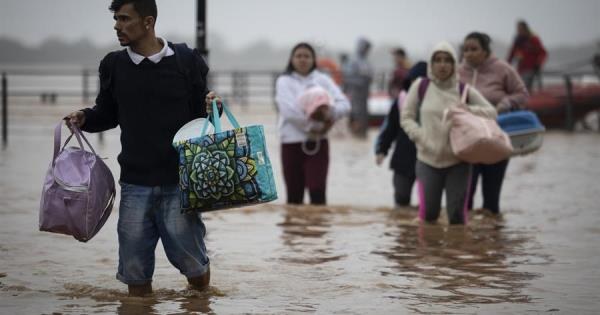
(217, 120)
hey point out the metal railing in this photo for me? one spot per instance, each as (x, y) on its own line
(237, 87)
(49, 87)
(4, 110)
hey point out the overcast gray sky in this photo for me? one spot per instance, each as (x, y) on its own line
(335, 24)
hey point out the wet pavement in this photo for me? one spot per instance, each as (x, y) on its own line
(357, 256)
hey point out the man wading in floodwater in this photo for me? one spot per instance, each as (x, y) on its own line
(150, 89)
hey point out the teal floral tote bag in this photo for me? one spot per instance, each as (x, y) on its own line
(225, 169)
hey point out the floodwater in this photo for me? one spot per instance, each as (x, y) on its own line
(357, 256)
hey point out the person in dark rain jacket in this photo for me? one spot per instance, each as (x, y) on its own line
(405, 154)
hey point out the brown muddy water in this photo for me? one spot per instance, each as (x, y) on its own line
(357, 256)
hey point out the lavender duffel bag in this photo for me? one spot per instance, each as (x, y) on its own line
(78, 192)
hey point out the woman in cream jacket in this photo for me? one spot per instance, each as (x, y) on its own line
(438, 169)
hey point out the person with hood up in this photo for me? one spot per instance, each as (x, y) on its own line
(501, 85)
(303, 129)
(357, 82)
(422, 118)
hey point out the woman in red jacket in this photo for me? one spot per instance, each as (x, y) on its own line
(529, 53)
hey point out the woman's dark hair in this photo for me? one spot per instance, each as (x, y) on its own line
(524, 24)
(483, 39)
(290, 67)
(142, 7)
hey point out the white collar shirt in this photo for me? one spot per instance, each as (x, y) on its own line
(156, 58)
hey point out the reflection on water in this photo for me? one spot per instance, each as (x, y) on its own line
(305, 233)
(426, 264)
(160, 302)
(382, 259)
(477, 264)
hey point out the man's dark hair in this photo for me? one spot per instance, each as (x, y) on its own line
(142, 7)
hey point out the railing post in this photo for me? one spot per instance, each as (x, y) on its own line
(239, 86)
(211, 81)
(243, 86)
(85, 96)
(274, 76)
(100, 134)
(569, 123)
(539, 77)
(201, 29)
(4, 110)
(382, 81)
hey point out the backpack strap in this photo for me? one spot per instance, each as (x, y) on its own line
(461, 89)
(423, 85)
(185, 62)
(186, 59)
(192, 65)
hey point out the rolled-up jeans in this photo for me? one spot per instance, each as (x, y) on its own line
(147, 213)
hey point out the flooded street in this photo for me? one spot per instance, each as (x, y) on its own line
(357, 256)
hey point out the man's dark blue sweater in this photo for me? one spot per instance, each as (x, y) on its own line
(150, 102)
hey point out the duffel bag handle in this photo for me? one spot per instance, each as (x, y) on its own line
(74, 131)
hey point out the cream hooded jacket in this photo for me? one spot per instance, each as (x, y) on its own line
(431, 134)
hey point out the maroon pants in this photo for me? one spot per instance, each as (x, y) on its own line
(301, 171)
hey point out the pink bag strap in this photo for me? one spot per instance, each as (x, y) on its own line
(401, 99)
(463, 100)
(465, 94)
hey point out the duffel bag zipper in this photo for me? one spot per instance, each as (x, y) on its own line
(70, 188)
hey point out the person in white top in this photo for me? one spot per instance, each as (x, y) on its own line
(304, 144)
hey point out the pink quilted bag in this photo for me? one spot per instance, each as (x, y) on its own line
(476, 139)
